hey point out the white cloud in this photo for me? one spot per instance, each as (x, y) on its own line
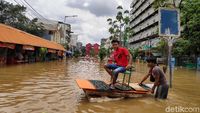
(90, 25)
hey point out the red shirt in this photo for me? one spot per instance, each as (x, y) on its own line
(120, 56)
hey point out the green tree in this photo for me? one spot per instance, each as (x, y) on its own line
(191, 24)
(14, 15)
(102, 53)
(77, 53)
(168, 3)
(83, 51)
(161, 47)
(92, 53)
(120, 25)
(134, 53)
(181, 47)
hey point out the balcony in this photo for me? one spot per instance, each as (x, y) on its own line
(134, 3)
(138, 5)
(142, 10)
(151, 12)
(146, 24)
(152, 32)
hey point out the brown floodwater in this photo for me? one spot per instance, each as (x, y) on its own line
(50, 87)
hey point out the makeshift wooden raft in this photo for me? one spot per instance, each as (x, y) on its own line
(97, 88)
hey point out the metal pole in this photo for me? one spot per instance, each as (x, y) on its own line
(170, 43)
(120, 37)
(67, 44)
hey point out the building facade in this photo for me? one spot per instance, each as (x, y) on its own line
(73, 42)
(144, 22)
(96, 49)
(56, 31)
(92, 49)
(79, 45)
(88, 49)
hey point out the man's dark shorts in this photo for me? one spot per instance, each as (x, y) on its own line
(162, 91)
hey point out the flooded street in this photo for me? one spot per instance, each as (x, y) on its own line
(50, 88)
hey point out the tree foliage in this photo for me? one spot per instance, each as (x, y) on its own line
(119, 27)
(181, 47)
(102, 53)
(190, 23)
(14, 15)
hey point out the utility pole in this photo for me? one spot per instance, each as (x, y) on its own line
(71, 16)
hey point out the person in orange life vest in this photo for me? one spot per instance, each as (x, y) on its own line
(123, 61)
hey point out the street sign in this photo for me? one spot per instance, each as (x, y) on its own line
(169, 22)
(173, 62)
(198, 63)
(169, 28)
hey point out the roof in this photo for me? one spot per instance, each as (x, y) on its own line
(52, 25)
(12, 35)
(49, 24)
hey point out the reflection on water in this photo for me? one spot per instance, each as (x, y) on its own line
(50, 88)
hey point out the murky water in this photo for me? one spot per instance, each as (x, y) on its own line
(50, 88)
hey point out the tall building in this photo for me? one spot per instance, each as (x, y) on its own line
(92, 49)
(79, 45)
(96, 49)
(56, 31)
(73, 42)
(144, 22)
(88, 48)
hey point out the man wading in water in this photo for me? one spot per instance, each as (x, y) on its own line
(123, 61)
(158, 77)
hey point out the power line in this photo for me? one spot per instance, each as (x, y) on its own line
(29, 9)
(25, 5)
(34, 9)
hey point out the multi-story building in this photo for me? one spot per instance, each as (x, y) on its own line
(144, 22)
(73, 42)
(96, 49)
(56, 31)
(92, 49)
(65, 31)
(79, 45)
(88, 49)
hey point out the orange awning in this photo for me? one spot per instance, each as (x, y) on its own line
(12, 35)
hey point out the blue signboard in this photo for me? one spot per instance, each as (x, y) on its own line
(198, 63)
(169, 22)
(173, 62)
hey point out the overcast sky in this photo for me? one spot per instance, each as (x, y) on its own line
(90, 25)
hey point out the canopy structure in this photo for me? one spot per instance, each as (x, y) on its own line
(14, 36)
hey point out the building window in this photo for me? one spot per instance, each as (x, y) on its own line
(50, 32)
